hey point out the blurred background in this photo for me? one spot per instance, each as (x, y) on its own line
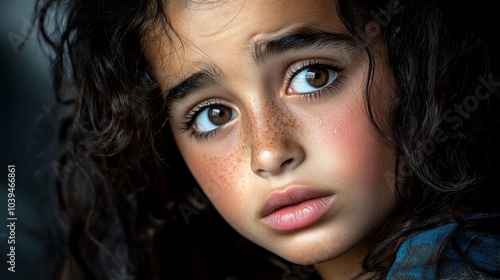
(27, 135)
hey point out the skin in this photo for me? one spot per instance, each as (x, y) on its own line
(277, 137)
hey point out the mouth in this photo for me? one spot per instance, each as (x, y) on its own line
(295, 207)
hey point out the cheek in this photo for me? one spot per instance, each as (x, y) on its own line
(218, 172)
(357, 156)
(213, 173)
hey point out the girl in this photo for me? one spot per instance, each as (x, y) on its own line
(336, 139)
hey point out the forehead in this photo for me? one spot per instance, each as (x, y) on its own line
(257, 11)
(222, 31)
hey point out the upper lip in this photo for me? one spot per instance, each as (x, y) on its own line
(290, 195)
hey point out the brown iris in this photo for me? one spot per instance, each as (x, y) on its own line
(219, 115)
(317, 76)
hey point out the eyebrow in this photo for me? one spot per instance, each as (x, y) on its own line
(206, 77)
(301, 38)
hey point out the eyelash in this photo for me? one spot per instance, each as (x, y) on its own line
(293, 70)
(296, 68)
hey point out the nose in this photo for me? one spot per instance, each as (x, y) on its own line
(275, 145)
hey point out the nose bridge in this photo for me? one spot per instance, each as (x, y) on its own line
(267, 124)
(273, 147)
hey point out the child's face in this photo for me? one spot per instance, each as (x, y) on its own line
(273, 126)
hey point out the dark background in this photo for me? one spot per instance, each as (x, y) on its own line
(27, 135)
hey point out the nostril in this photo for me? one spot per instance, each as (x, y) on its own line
(287, 163)
(284, 165)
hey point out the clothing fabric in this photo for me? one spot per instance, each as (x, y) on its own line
(414, 259)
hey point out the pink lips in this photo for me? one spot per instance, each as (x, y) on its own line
(295, 207)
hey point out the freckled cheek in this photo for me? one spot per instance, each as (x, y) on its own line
(219, 175)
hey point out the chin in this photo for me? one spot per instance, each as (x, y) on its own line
(312, 254)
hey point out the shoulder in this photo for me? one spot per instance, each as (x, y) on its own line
(417, 256)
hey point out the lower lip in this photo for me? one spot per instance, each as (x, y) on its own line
(298, 216)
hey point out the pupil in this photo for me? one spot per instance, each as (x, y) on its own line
(219, 115)
(317, 76)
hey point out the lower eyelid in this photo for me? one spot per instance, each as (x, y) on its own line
(200, 136)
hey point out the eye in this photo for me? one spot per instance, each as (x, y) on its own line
(212, 117)
(311, 79)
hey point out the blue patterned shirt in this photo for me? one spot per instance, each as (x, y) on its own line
(415, 254)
